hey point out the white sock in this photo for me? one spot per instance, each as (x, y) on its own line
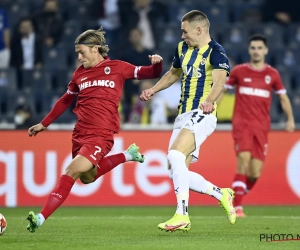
(128, 156)
(41, 219)
(200, 185)
(180, 180)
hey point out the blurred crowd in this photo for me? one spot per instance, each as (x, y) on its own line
(38, 58)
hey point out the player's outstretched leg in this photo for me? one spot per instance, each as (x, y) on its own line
(109, 162)
(226, 203)
(178, 222)
(133, 151)
(33, 222)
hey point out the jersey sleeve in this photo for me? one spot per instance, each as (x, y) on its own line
(73, 87)
(128, 70)
(59, 107)
(278, 85)
(232, 79)
(219, 60)
(176, 60)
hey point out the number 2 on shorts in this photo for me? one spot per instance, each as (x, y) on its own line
(98, 150)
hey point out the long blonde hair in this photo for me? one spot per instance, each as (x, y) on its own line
(93, 38)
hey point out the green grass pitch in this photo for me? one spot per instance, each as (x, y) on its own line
(136, 228)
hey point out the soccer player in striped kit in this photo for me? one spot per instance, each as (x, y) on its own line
(203, 64)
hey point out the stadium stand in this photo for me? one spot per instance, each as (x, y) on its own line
(232, 22)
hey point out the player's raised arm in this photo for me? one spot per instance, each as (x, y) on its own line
(166, 81)
(60, 106)
(130, 71)
(152, 71)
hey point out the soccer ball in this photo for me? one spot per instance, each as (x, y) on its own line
(3, 224)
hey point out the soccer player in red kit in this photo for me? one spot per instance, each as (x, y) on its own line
(254, 83)
(97, 84)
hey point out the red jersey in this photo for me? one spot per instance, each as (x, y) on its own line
(99, 90)
(253, 95)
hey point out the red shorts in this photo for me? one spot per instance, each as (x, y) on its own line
(92, 144)
(255, 141)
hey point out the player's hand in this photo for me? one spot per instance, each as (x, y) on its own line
(34, 130)
(290, 126)
(207, 107)
(155, 58)
(147, 94)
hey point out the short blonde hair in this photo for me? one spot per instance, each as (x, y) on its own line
(196, 16)
(93, 38)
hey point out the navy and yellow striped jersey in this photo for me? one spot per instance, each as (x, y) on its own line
(197, 66)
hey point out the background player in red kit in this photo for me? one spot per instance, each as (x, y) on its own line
(251, 120)
(98, 85)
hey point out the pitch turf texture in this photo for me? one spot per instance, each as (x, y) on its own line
(136, 228)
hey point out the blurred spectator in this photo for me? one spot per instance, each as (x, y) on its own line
(158, 114)
(289, 58)
(107, 13)
(283, 12)
(144, 14)
(169, 37)
(162, 109)
(232, 62)
(4, 40)
(26, 49)
(296, 107)
(49, 24)
(3, 79)
(23, 117)
(297, 35)
(171, 102)
(140, 111)
(293, 36)
(123, 109)
(136, 54)
(236, 36)
(286, 59)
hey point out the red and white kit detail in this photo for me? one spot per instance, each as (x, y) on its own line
(98, 91)
(251, 118)
(254, 95)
